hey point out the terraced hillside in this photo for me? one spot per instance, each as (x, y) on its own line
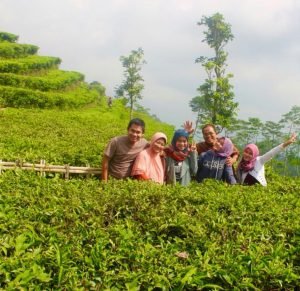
(28, 80)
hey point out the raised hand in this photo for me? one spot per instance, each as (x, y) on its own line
(188, 126)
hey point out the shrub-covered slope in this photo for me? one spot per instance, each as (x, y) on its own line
(76, 137)
(29, 80)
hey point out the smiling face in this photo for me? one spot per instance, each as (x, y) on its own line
(158, 145)
(209, 135)
(181, 143)
(135, 132)
(218, 146)
(247, 155)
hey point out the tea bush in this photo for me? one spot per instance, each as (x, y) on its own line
(76, 137)
(27, 98)
(83, 234)
(52, 80)
(27, 64)
(16, 50)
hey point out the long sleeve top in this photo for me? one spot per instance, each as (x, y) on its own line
(258, 172)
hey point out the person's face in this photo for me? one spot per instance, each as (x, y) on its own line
(158, 145)
(209, 135)
(218, 146)
(135, 132)
(181, 143)
(247, 155)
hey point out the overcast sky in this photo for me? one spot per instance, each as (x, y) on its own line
(91, 35)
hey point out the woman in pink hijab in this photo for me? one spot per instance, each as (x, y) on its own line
(251, 168)
(149, 164)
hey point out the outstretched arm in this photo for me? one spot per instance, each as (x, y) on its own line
(270, 154)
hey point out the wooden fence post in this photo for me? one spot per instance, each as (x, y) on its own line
(88, 175)
(42, 172)
(67, 174)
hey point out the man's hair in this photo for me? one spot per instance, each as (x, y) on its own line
(209, 125)
(137, 121)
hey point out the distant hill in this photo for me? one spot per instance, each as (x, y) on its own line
(28, 80)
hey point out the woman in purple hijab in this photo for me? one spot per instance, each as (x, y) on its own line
(212, 164)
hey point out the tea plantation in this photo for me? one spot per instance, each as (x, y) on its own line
(82, 234)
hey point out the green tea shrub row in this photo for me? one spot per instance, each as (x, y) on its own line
(31, 63)
(76, 137)
(129, 235)
(26, 98)
(16, 50)
(8, 37)
(51, 81)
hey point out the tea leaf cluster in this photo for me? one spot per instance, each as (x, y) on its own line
(82, 234)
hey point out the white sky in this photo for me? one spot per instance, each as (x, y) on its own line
(91, 35)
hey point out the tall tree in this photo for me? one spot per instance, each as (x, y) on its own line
(132, 85)
(215, 102)
(291, 121)
(272, 132)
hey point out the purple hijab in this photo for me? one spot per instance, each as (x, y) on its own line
(247, 166)
(227, 148)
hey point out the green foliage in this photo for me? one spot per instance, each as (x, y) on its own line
(291, 120)
(26, 98)
(8, 37)
(28, 64)
(85, 235)
(51, 80)
(16, 50)
(98, 87)
(29, 81)
(132, 85)
(75, 137)
(215, 103)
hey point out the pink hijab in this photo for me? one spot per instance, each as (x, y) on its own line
(150, 163)
(247, 166)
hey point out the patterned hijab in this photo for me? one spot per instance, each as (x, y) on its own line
(156, 136)
(173, 152)
(247, 166)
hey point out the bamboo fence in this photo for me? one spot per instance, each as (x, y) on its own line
(42, 168)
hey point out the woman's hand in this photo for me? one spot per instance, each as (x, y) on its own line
(292, 139)
(188, 127)
(193, 146)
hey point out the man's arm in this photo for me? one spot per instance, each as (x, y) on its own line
(234, 156)
(104, 173)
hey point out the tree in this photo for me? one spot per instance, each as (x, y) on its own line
(291, 121)
(272, 133)
(215, 102)
(98, 87)
(132, 85)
